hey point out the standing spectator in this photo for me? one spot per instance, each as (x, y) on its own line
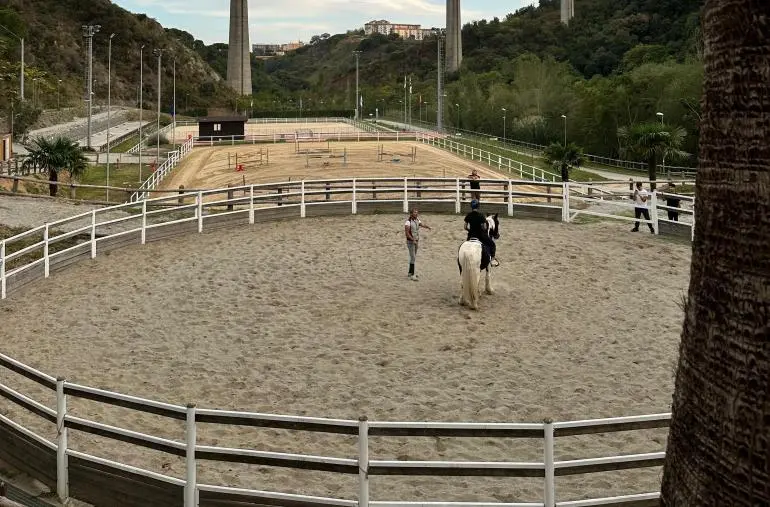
(475, 185)
(672, 201)
(412, 232)
(641, 198)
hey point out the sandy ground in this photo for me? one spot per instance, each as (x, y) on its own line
(210, 168)
(316, 317)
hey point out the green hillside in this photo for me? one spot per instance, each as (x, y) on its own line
(618, 62)
(55, 50)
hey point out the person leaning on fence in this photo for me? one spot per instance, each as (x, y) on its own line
(412, 232)
(641, 199)
(672, 202)
(475, 185)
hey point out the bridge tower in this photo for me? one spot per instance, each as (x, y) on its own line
(238, 53)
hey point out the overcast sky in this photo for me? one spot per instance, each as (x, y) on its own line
(278, 21)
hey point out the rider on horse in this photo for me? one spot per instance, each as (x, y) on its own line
(477, 227)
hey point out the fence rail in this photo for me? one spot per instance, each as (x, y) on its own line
(361, 466)
(29, 256)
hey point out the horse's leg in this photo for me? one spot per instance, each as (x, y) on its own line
(488, 282)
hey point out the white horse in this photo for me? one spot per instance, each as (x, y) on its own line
(472, 262)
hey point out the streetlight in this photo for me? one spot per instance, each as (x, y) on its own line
(565, 129)
(458, 116)
(21, 78)
(663, 168)
(173, 125)
(109, 108)
(504, 112)
(88, 32)
(58, 104)
(141, 107)
(358, 112)
(34, 92)
(159, 54)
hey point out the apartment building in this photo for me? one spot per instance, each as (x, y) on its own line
(406, 31)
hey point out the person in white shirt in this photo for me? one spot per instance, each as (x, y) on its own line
(641, 199)
(412, 232)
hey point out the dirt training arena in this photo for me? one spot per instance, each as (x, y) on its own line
(216, 167)
(316, 317)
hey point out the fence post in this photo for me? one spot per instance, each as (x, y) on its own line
(191, 485)
(363, 462)
(181, 191)
(406, 196)
(564, 202)
(521, 170)
(510, 198)
(62, 467)
(354, 208)
(457, 195)
(15, 187)
(46, 260)
(550, 483)
(302, 200)
(251, 204)
(2, 269)
(654, 214)
(230, 195)
(199, 202)
(93, 234)
(692, 227)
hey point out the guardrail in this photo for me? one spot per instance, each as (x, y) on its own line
(83, 476)
(493, 160)
(515, 145)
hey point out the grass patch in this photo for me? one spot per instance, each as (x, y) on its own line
(126, 145)
(121, 175)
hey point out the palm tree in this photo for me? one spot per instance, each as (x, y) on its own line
(719, 442)
(653, 141)
(54, 155)
(562, 157)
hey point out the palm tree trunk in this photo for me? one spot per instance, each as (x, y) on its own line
(53, 175)
(719, 444)
(652, 171)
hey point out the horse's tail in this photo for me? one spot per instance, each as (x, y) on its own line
(470, 262)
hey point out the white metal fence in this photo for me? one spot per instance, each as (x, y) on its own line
(196, 455)
(162, 171)
(34, 253)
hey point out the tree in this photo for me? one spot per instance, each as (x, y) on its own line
(562, 157)
(719, 442)
(54, 155)
(652, 142)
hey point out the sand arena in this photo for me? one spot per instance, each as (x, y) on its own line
(316, 317)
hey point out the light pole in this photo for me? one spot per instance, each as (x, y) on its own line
(458, 116)
(358, 104)
(141, 106)
(663, 168)
(109, 108)
(504, 112)
(58, 103)
(564, 116)
(21, 77)
(159, 54)
(88, 32)
(173, 125)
